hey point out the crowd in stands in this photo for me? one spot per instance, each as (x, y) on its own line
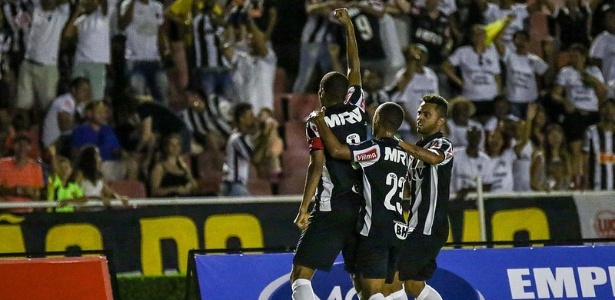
(100, 91)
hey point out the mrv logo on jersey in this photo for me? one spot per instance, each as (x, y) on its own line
(562, 282)
(351, 117)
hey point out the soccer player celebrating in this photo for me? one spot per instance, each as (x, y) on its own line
(331, 227)
(429, 176)
(382, 225)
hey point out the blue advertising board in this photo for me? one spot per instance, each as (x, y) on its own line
(508, 273)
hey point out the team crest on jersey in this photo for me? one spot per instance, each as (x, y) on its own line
(416, 170)
(401, 230)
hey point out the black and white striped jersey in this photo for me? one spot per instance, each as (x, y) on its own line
(430, 188)
(601, 150)
(348, 121)
(239, 151)
(384, 166)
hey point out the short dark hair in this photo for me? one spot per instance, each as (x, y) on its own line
(239, 110)
(439, 101)
(335, 86)
(391, 115)
(78, 81)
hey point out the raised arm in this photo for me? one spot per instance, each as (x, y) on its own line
(332, 144)
(352, 53)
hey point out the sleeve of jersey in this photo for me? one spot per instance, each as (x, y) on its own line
(444, 146)
(244, 146)
(313, 137)
(355, 97)
(365, 154)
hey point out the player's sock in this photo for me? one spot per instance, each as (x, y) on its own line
(302, 290)
(428, 293)
(378, 296)
(399, 295)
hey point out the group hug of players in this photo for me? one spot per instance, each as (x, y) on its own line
(358, 186)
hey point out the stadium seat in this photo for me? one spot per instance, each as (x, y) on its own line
(130, 188)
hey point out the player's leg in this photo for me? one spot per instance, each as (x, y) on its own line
(301, 277)
(395, 290)
(418, 263)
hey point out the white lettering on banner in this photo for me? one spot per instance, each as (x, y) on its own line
(604, 224)
(351, 117)
(561, 284)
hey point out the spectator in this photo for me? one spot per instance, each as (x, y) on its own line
(21, 178)
(210, 72)
(61, 185)
(470, 163)
(570, 24)
(21, 125)
(170, 176)
(253, 70)
(315, 40)
(413, 82)
(524, 71)
(603, 47)
(599, 151)
(242, 149)
(499, 147)
(147, 47)
(265, 16)
(432, 29)
(90, 26)
(373, 91)
(579, 88)
(460, 113)
(541, 120)
(39, 74)
(480, 72)
(522, 165)
(208, 119)
(501, 114)
(551, 168)
(91, 179)
(599, 8)
(95, 131)
(518, 12)
(7, 75)
(60, 118)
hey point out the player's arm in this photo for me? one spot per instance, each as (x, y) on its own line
(432, 158)
(317, 159)
(352, 53)
(332, 144)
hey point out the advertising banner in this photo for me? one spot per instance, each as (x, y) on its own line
(494, 274)
(156, 239)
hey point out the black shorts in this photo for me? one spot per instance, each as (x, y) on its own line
(327, 234)
(378, 254)
(576, 123)
(418, 256)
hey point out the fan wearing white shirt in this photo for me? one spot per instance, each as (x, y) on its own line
(524, 73)
(480, 72)
(413, 82)
(146, 47)
(459, 121)
(253, 70)
(90, 25)
(579, 88)
(60, 119)
(602, 50)
(519, 11)
(38, 73)
(470, 163)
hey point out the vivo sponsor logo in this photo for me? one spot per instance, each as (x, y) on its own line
(350, 117)
(558, 283)
(604, 224)
(371, 154)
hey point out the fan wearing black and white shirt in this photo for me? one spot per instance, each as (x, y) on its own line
(602, 49)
